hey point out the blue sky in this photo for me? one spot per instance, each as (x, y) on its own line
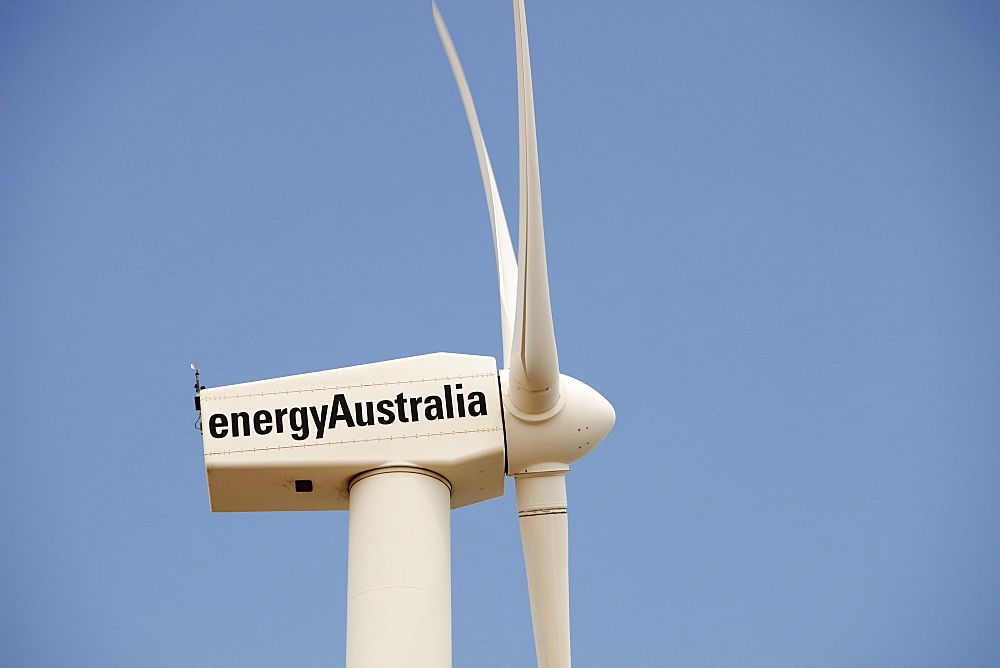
(774, 245)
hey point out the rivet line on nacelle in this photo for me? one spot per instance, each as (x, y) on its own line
(356, 440)
(341, 387)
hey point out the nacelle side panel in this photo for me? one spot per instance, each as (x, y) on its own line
(295, 443)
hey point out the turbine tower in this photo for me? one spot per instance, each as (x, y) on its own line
(400, 443)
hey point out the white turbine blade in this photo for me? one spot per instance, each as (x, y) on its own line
(541, 503)
(506, 263)
(534, 368)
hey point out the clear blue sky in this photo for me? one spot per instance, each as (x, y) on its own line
(774, 237)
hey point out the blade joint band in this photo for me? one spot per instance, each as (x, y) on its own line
(544, 511)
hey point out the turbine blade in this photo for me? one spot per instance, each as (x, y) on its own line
(504, 250)
(534, 369)
(541, 504)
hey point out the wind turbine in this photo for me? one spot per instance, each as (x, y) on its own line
(398, 443)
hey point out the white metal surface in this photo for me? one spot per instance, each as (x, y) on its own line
(502, 246)
(541, 505)
(437, 412)
(399, 570)
(577, 424)
(534, 366)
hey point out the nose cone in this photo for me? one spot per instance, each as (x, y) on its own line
(605, 414)
(583, 419)
(594, 413)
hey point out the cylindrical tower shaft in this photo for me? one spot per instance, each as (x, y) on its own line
(399, 569)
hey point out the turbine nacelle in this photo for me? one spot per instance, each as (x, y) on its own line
(553, 440)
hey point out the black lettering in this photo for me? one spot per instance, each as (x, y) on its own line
(433, 409)
(414, 415)
(358, 413)
(385, 408)
(401, 407)
(477, 404)
(218, 426)
(447, 401)
(341, 411)
(298, 420)
(235, 418)
(387, 411)
(319, 419)
(262, 423)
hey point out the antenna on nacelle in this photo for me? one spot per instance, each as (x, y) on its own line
(198, 387)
